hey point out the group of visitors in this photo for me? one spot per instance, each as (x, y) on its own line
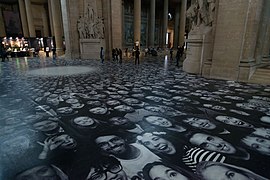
(117, 55)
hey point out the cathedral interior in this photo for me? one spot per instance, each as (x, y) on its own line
(134, 89)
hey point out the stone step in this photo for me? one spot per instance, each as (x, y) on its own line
(259, 80)
(262, 71)
(261, 75)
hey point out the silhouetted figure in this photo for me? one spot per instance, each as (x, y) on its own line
(137, 55)
(178, 55)
(113, 54)
(101, 54)
(171, 53)
(120, 56)
(3, 53)
(54, 52)
(126, 52)
(116, 54)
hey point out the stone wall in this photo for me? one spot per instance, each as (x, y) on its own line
(230, 27)
(70, 14)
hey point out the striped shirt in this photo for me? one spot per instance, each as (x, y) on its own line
(195, 155)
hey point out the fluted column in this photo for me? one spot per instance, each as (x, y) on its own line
(2, 25)
(58, 33)
(137, 21)
(182, 22)
(165, 22)
(176, 26)
(23, 18)
(152, 23)
(30, 21)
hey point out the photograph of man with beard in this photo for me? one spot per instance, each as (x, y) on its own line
(133, 156)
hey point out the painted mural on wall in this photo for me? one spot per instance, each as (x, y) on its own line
(89, 25)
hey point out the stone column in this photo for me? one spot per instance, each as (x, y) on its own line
(30, 21)
(165, 22)
(45, 23)
(2, 25)
(70, 11)
(23, 18)
(152, 23)
(266, 45)
(56, 14)
(176, 26)
(182, 22)
(106, 7)
(137, 21)
(50, 17)
(116, 15)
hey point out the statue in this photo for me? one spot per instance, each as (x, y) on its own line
(89, 26)
(191, 14)
(81, 28)
(201, 13)
(211, 10)
(99, 28)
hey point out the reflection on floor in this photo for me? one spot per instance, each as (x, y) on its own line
(82, 119)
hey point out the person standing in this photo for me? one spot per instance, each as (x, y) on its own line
(120, 56)
(116, 54)
(54, 52)
(102, 54)
(113, 54)
(171, 53)
(178, 55)
(2, 53)
(137, 55)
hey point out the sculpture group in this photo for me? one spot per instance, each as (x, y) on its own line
(201, 12)
(90, 26)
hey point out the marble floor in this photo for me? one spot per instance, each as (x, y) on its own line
(81, 119)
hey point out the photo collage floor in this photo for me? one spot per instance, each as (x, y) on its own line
(87, 120)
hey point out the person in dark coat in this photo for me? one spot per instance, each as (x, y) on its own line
(54, 52)
(101, 54)
(2, 53)
(178, 55)
(120, 56)
(137, 55)
(171, 53)
(113, 54)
